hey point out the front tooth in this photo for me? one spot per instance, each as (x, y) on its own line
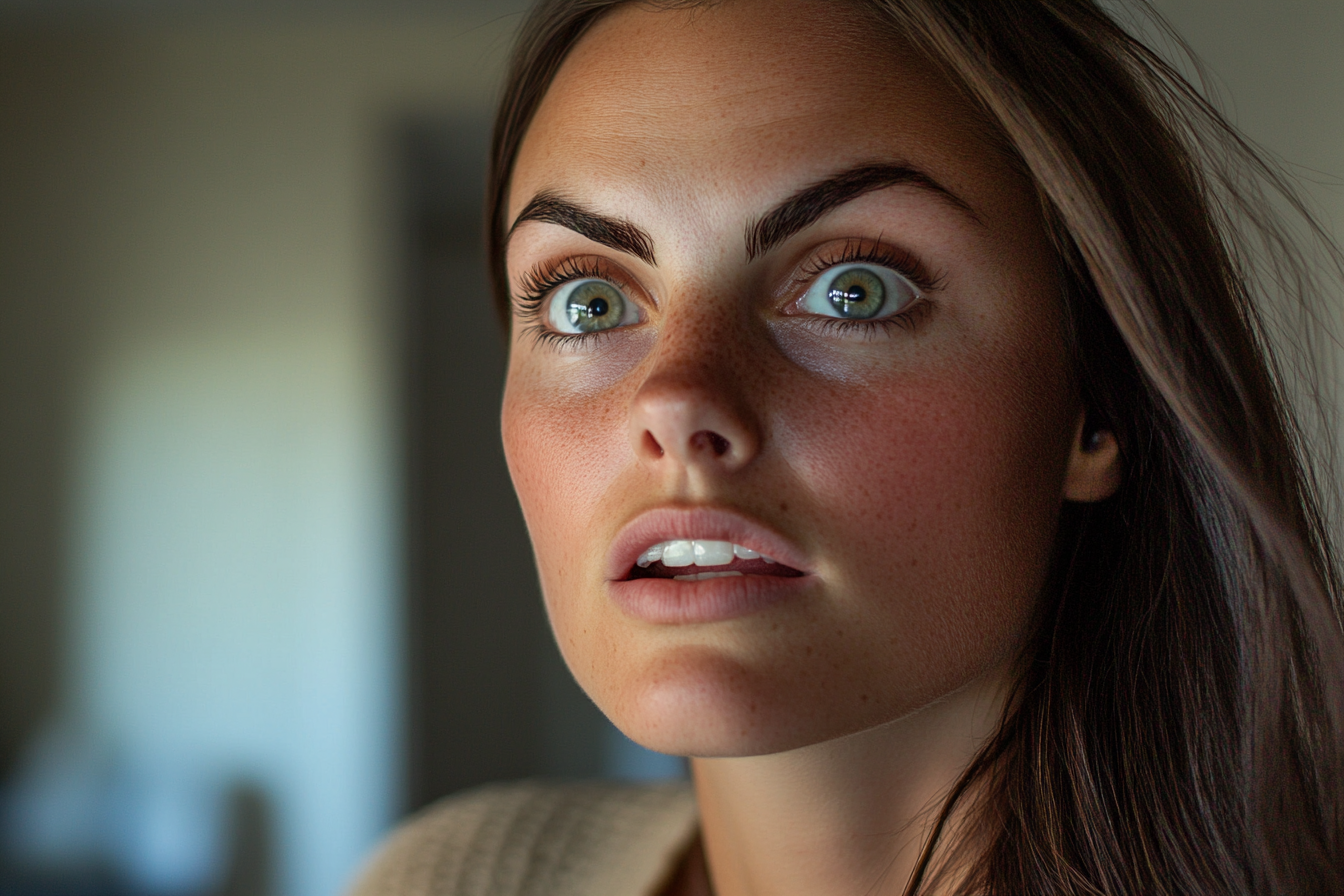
(713, 553)
(678, 553)
(745, 553)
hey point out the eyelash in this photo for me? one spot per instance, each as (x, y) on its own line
(539, 282)
(865, 251)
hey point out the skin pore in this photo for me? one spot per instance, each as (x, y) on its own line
(713, 166)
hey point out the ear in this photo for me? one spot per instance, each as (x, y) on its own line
(1093, 473)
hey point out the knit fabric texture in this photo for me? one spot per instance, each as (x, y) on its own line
(536, 838)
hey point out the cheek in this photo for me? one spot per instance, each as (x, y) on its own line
(563, 423)
(563, 451)
(928, 461)
(936, 498)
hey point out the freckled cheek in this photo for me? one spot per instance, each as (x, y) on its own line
(943, 487)
(563, 455)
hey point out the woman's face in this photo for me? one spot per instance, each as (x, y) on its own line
(776, 289)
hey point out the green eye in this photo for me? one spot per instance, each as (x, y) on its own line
(589, 306)
(858, 292)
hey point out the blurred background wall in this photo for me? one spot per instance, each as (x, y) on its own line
(263, 587)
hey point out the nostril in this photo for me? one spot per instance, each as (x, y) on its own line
(713, 441)
(651, 445)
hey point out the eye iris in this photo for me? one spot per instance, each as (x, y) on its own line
(594, 306)
(856, 293)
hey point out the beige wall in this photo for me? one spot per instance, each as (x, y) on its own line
(1280, 67)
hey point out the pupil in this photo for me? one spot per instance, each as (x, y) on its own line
(598, 308)
(852, 296)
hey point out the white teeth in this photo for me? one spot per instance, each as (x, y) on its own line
(713, 553)
(678, 553)
(701, 576)
(698, 552)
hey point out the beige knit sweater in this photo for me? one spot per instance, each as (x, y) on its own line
(538, 839)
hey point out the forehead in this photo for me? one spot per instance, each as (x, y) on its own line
(733, 103)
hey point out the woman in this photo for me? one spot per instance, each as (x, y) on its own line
(891, 412)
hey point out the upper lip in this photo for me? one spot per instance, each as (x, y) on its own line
(708, 523)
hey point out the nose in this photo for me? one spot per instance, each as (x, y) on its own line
(692, 411)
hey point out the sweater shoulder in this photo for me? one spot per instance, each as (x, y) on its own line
(531, 838)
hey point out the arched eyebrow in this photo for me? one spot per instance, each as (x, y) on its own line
(551, 208)
(811, 203)
(783, 221)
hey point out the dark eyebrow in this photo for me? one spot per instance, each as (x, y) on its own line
(623, 236)
(810, 203)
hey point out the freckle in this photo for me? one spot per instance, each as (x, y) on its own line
(783, 507)
(808, 650)
(863, 698)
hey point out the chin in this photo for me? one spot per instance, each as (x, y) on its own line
(701, 703)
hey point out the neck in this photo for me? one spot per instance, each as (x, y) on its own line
(846, 817)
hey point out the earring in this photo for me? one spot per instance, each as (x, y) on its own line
(1092, 439)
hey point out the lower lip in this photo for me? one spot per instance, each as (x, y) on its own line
(670, 602)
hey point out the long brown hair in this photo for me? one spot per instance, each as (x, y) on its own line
(1179, 724)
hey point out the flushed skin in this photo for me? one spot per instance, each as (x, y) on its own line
(916, 471)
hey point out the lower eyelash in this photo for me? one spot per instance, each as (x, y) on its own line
(540, 334)
(872, 329)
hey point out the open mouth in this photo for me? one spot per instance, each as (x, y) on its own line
(694, 560)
